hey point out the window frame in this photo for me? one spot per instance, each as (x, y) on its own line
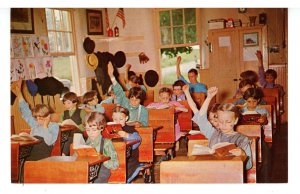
(73, 55)
(160, 46)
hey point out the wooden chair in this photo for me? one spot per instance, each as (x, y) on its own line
(108, 111)
(279, 101)
(185, 118)
(271, 100)
(165, 137)
(268, 128)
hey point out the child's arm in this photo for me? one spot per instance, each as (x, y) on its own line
(178, 73)
(211, 92)
(118, 90)
(261, 71)
(189, 98)
(127, 68)
(130, 137)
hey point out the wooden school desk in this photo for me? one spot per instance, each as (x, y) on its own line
(203, 169)
(20, 150)
(63, 169)
(65, 132)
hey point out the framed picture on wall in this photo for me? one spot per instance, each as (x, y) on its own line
(94, 22)
(22, 20)
(250, 39)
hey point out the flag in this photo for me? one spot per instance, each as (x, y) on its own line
(106, 20)
(121, 15)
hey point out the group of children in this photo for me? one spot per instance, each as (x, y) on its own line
(218, 125)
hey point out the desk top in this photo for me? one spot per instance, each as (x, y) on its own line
(26, 142)
(90, 159)
(209, 157)
(67, 128)
(127, 142)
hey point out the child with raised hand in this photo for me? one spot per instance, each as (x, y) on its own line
(194, 85)
(253, 97)
(41, 127)
(70, 102)
(90, 101)
(267, 79)
(138, 114)
(133, 80)
(178, 94)
(94, 123)
(120, 116)
(228, 116)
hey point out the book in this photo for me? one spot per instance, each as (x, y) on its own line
(23, 137)
(220, 149)
(68, 123)
(78, 141)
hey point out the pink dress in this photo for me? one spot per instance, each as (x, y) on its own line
(161, 105)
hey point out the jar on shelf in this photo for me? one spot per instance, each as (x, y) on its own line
(116, 29)
(110, 32)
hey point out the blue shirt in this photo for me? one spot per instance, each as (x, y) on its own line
(49, 134)
(198, 87)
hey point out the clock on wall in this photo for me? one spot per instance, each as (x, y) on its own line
(242, 10)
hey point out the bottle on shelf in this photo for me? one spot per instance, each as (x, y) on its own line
(116, 29)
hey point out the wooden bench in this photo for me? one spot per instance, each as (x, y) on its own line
(279, 101)
(202, 169)
(63, 169)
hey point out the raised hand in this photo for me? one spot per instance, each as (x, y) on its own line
(128, 66)
(110, 69)
(259, 56)
(178, 60)
(212, 91)
(185, 88)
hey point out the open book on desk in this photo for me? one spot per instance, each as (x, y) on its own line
(80, 148)
(67, 123)
(23, 137)
(220, 149)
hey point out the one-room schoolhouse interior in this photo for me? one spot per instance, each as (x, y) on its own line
(149, 95)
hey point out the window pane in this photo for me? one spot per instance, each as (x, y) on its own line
(68, 47)
(52, 43)
(190, 16)
(191, 34)
(57, 20)
(59, 42)
(190, 58)
(49, 18)
(178, 35)
(62, 69)
(177, 17)
(165, 34)
(164, 18)
(66, 19)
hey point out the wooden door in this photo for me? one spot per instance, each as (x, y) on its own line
(223, 61)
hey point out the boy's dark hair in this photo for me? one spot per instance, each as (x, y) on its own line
(249, 75)
(214, 108)
(121, 109)
(137, 92)
(254, 93)
(70, 96)
(245, 82)
(134, 79)
(165, 89)
(95, 119)
(193, 71)
(178, 83)
(89, 96)
(271, 72)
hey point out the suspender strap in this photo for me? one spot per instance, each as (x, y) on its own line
(101, 145)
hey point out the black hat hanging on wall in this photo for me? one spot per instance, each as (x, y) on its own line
(119, 59)
(151, 78)
(88, 45)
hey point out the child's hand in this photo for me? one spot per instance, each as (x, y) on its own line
(110, 69)
(258, 55)
(263, 120)
(212, 91)
(123, 134)
(128, 66)
(137, 124)
(178, 60)
(185, 88)
(237, 152)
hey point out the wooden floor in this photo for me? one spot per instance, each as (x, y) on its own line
(279, 172)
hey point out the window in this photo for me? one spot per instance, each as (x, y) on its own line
(178, 35)
(60, 34)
